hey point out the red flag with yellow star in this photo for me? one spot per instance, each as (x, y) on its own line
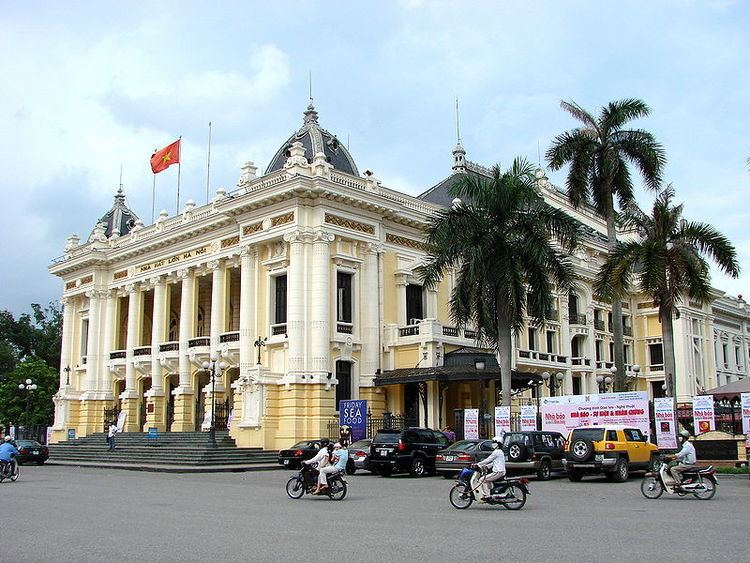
(166, 157)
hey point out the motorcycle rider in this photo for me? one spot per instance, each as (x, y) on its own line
(339, 457)
(7, 451)
(686, 457)
(322, 459)
(497, 462)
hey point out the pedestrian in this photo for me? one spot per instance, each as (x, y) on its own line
(449, 434)
(111, 435)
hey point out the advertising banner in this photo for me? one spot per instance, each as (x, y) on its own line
(563, 414)
(745, 402)
(121, 420)
(665, 423)
(354, 415)
(502, 420)
(703, 413)
(471, 424)
(528, 418)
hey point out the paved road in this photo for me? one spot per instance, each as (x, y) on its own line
(72, 514)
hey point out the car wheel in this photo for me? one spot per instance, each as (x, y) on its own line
(517, 451)
(575, 475)
(417, 468)
(545, 470)
(40, 463)
(384, 470)
(621, 470)
(581, 450)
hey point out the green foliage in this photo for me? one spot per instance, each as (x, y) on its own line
(14, 401)
(38, 335)
(667, 261)
(499, 243)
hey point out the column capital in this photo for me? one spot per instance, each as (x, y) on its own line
(132, 288)
(323, 236)
(215, 265)
(294, 236)
(184, 273)
(249, 250)
(156, 280)
(373, 248)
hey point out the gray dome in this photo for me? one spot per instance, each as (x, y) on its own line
(119, 218)
(315, 139)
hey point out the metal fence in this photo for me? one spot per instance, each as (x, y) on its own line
(375, 424)
(35, 432)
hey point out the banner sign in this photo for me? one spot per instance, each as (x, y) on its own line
(354, 415)
(745, 402)
(528, 418)
(703, 413)
(121, 420)
(563, 414)
(471, 424)
(665, 423)
(502, 420)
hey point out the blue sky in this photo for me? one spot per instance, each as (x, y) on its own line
(90, 85)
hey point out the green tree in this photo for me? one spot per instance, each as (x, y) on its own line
(667, 263)
(598, 153)
(499, 241)
(14, 401)
(38, 335)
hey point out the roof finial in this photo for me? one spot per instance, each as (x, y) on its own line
(311, 116)
(309, 86)
(121, 175)
(458, 128)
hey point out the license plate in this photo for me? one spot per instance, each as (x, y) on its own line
(35, 452)
(450, 458)
(286, 462)
(599, 457)
(384, 452)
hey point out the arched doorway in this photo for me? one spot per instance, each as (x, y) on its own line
(144, 384)
(171, 382)
(200, 379)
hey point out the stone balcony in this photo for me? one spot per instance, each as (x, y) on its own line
(537, 358)
(428, 330)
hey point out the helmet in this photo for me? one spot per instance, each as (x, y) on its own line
(336, 446)
(498, 441)
(324, 442)
(7, 439)
(684, 434)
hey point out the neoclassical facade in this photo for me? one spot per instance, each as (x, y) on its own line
(303, 282)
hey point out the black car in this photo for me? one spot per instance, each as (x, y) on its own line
(542, 452)
(31, 451)
(294, 456)
(413, 450)
(463, 453)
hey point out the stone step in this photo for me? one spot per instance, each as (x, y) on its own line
(171, 468)
(163, 461)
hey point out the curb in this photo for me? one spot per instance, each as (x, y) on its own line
(170, 468)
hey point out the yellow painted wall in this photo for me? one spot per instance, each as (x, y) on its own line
(653, 326)
(407, 357)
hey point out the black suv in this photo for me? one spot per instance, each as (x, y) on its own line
(542, 452)
(412, 450)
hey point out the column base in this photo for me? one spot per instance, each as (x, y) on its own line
(155, 411)
(184, 413)
(91, 417)
(132, 420)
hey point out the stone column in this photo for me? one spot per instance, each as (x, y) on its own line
(247, 308)
(431, 303)
(369, 300)
(401, 300)
(155, 398)
(93, 354)
(295, 315)
(319, 306)
(130, 398)
(108, 333)
(218, 318)
(183, 403)
(66, 349)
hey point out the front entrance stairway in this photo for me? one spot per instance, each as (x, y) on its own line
(177, 452)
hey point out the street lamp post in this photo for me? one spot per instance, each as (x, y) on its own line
(67, 375)
(479, 366)
(259, 344)
(605, 381)
(553, 382)
(27, 386)
(536, 385)
(632, 377)
(211, 368)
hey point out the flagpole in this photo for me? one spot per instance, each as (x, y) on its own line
(179, 170)
(153, 200)
(208, 164)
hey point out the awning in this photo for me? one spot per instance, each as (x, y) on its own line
(731, 390)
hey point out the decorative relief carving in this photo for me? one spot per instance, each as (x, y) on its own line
(349, 224)
(407, 242)
(87, 279)
(252, 229)
(323, 236)
(282, 219)
(120, 275)
(70, 285)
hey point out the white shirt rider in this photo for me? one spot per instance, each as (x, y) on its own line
(496, 459)
(687, 454)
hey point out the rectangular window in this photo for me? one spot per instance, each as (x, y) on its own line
(656, 356)
(280, 300)
(626, 353)
(611, 351)
(599, 347)
(576, 385)
(84, 337)
(725, 351)
(551, 348)
(344, 386)
(413, 303)
(737, 356)
(609, 321)
(575, 350)
(532, 339)
(343, 297)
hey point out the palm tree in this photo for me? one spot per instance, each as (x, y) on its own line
(599, 153)
(668, 263)
(500, 243)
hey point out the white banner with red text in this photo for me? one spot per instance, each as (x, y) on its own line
(665, 423)
(528, 418)
(745, 403)
(502, 420)
(471, 424)
(563, 414)
(703, 414)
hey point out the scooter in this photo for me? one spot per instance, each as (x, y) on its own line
(700, 482)
(9, 470)
(510, 493)
(307, 478)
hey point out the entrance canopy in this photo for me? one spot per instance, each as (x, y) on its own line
(731, 391)
(464, 364)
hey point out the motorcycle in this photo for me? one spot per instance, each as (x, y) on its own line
(10, 470)
(306, 480)
(511, 493)
(700, 482)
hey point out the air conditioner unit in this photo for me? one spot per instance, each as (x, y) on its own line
(415, 321)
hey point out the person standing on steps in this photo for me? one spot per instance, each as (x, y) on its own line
(111, 435)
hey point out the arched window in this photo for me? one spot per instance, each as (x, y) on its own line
(344, 386)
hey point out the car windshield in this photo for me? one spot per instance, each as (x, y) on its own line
(305, 444)
(361, 444)
(593, 434)
(465, 445)
(387, 437)
(28, 444)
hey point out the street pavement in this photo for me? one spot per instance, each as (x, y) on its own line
(84, 514)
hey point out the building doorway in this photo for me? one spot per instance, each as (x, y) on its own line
(344, 386)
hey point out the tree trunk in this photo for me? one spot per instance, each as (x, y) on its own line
(505, 354)
(616, 302)
(667, 334)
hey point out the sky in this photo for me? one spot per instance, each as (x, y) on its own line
(88, 87)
